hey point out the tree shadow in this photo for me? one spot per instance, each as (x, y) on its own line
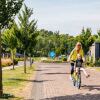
(34, 81)
(6, 96)
(38, 70)
(53, 67)
(55, 73)
(91, 87)
(76, 97)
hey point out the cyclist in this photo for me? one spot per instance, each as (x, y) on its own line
(73, 56)
(79, 64)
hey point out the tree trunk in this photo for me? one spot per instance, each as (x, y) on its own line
(1, 84)
(30, 61)
(24, 61)
(7, 55)
(12, 57)
(13, 60)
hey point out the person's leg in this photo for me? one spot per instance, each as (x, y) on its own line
(72, 68)
(84, 71)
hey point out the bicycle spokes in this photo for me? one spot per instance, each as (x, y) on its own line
(77, 79)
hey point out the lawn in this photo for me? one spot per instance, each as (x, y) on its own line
(98, 68)
(37, 59)
(14, 81)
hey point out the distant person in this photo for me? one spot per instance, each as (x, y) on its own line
(73, 56)
(79, 64)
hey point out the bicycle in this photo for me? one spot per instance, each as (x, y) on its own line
(77, 78)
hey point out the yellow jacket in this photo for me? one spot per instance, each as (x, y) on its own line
(73, 55)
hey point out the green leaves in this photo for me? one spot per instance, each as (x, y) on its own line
(9, 38)
(98, 32)
(8, 9)
(28, 29)
(86, 38)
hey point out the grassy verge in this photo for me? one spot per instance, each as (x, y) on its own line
(53, 61)
(37, 58)
(14, 81)
(98, 68)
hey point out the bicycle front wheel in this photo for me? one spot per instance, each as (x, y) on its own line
(79, 81)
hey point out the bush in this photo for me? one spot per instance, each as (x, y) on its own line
(52, 61)
(91, 64)
(89, 61)
(97, 62)
(64, 59)
(19, 59)
(6, 62)
(15, 61)
(48, 60)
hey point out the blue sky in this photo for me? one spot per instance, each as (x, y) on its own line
(67, 16)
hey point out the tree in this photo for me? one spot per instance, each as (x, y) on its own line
(8, 9)
(10, 41)
(32, 38)
(27, 34)
(86, 38)
(48, 40)
(98, 32)
(71, 42)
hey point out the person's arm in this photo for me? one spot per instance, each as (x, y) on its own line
(75, 65)
(69, 58)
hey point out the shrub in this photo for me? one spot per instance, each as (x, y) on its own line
(64, 59)
(89, 61)
(91, 64)
(15, 61)
(97, 62)
(6, 62)
(19, 59)
(52, 61)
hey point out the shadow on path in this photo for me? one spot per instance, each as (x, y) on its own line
(91, 87)
(53, 67)
(76, 97)
(38, 70)
(9, 97)
(34, 81)
(55, 73)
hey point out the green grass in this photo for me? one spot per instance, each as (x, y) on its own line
(98, 68)
(15, 80)
(49, 60)
(37, 58)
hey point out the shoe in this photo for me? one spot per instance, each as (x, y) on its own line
(87, 76)
(70, 78)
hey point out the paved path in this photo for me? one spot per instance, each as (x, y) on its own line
(52, 83)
